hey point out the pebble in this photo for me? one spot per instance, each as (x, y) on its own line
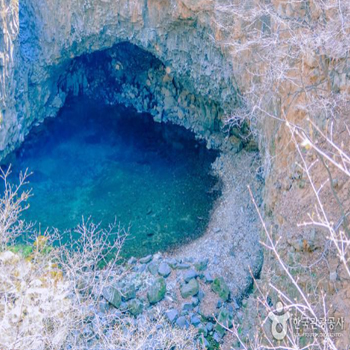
(104, 306)
(116, 314)
(153, 268)
(87, 332)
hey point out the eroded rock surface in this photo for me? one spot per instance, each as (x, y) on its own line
(43, 39)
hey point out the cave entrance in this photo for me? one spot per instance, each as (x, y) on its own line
(112, 163)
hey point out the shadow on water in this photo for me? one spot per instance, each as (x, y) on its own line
(112, 163)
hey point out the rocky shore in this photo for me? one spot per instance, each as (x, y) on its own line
(184, 291)
(200, 285)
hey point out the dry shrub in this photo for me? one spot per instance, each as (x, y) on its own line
(292, 59)
(50, 297)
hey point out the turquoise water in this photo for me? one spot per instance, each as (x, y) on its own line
(111, 163)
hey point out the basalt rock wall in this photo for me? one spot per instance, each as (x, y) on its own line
(199, 66)
(46, 41)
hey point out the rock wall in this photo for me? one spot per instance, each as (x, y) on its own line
(49, 35)
(210, 59)
(129, 75)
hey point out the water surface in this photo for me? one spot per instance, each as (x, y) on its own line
(111, 163)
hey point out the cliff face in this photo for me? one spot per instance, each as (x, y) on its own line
(44, 38)
(201, 80)
(201, 62)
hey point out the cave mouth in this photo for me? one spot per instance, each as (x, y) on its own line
(112, 163)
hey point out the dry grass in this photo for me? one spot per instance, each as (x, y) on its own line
(50, 298)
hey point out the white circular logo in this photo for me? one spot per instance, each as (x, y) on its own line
(279, 318)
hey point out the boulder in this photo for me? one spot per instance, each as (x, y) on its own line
(187, 307)
(195, 321)
(132, 261)
(208, 277)
(195, 301)
(172, 262)
(156, 291)
(209, 326)
(190, 289)
(224, 321)
(189, 274)
(129, 292)
(182, 322)
(202, 330)
(171, 315)
(201, 265)
(220, 287)
(164, 269)
(153, 268)
(135, 307)
(183, 266)
(200, 295)
(112, 295)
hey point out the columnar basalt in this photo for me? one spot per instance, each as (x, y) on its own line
(129, 75)
(159, 57)
(199, 57)
(44, 45)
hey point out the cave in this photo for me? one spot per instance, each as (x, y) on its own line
(111, 165)
(216, 132)
(144, 129)
(131, 130)
(121, 132)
